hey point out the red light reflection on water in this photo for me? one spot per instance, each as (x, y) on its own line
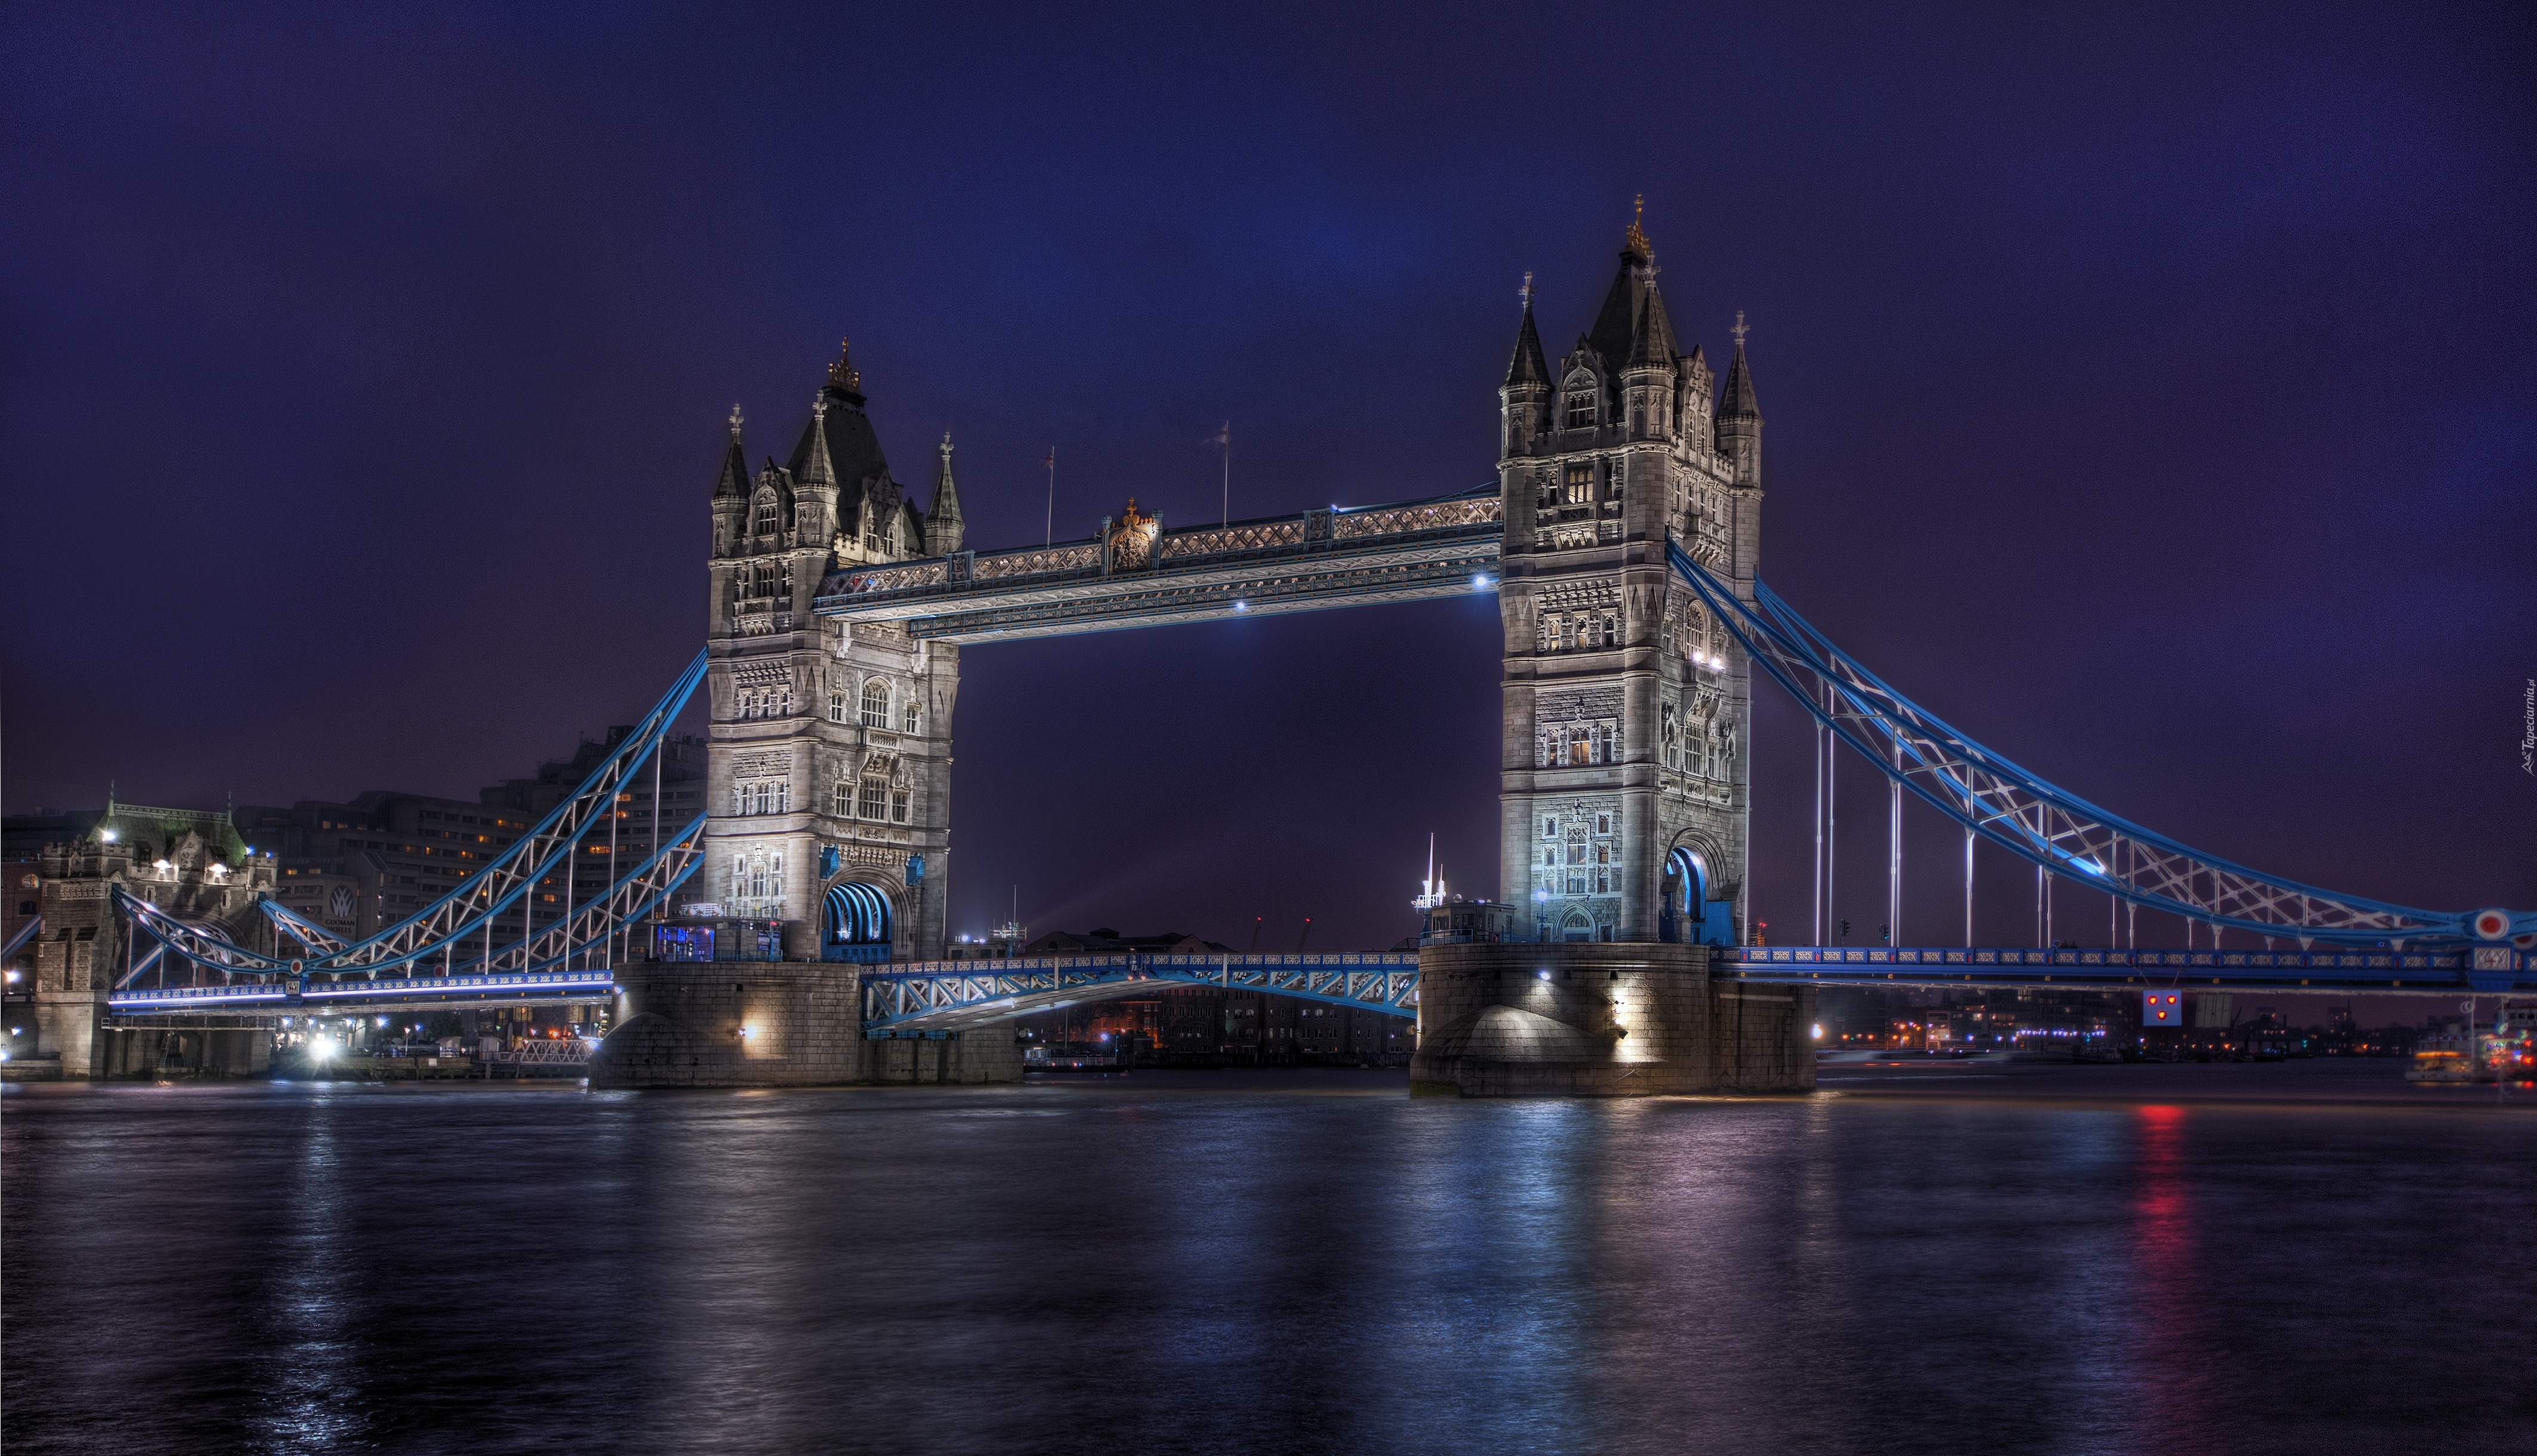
(2168, 1295)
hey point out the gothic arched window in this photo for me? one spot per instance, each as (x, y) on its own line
(763, 523)
(907, 715)
(873, 800)
(876, 704)
(1580, 401)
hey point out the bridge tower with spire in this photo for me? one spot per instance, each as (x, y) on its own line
(1624, 789)
(828, 762)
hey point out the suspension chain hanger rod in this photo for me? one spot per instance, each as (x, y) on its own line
(501, 884)
(2046, 826)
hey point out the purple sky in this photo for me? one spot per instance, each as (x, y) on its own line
(2151, 395)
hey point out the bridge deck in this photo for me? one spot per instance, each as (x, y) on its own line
(1146, 577)
(918, 998)
(2486, 971)
(386, 993)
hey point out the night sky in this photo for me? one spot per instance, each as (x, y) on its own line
(2151, 394)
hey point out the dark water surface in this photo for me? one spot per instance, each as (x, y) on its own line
(2115, 1259)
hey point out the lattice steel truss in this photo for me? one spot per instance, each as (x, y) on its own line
(458, 921)
(2045, 825)
(315, 938)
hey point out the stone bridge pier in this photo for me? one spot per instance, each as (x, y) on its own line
(776, 1024)
(1603, 1021)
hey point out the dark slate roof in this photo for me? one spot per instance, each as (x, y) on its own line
(1632, 309)
(1527, 367)
(846, 434)
(733, 483)
(1738, 402)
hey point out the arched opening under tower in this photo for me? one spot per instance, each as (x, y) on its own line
(857, 923)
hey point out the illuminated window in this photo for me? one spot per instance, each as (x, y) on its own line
(1577, 480)
(876, 705)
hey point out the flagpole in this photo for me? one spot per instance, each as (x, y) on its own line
(1048, 532)
(1228, 473)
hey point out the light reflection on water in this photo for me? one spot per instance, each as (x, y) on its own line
(1315, 1264)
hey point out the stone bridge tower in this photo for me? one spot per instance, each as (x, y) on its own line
(828, 765)
(1624, 785)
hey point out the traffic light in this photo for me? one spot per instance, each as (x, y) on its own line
(2162, 1009)
(1844, 930)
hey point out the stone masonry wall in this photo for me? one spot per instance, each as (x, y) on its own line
(1601, 1020)
(684, 1024)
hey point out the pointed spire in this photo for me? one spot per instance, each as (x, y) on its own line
(814, 467)
(1652, 345)
(1527, 367)
(943, 527)
(733, 482)
(1738, 402)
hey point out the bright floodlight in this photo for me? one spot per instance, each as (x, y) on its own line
(108, 836)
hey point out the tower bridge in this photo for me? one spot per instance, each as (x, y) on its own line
(799, 925)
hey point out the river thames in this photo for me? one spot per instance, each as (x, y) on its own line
(2117, 1258)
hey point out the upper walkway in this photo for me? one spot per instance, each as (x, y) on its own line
(1136, 573)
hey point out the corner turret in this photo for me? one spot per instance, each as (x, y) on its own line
(731, 493)
(1525, 399)
(1739, 415)
(943, 527)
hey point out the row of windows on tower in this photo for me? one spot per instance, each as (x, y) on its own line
(759, 579)
(766, 702)
(874, 796)
(1575, 745)
(1580, 859)
(758, 878)
(875, 706)
(1576, 486)
(1569, 631)
(1691, 749)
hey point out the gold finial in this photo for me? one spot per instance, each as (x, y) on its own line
(1636, 236)
(1130, 518)
(843, 374)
